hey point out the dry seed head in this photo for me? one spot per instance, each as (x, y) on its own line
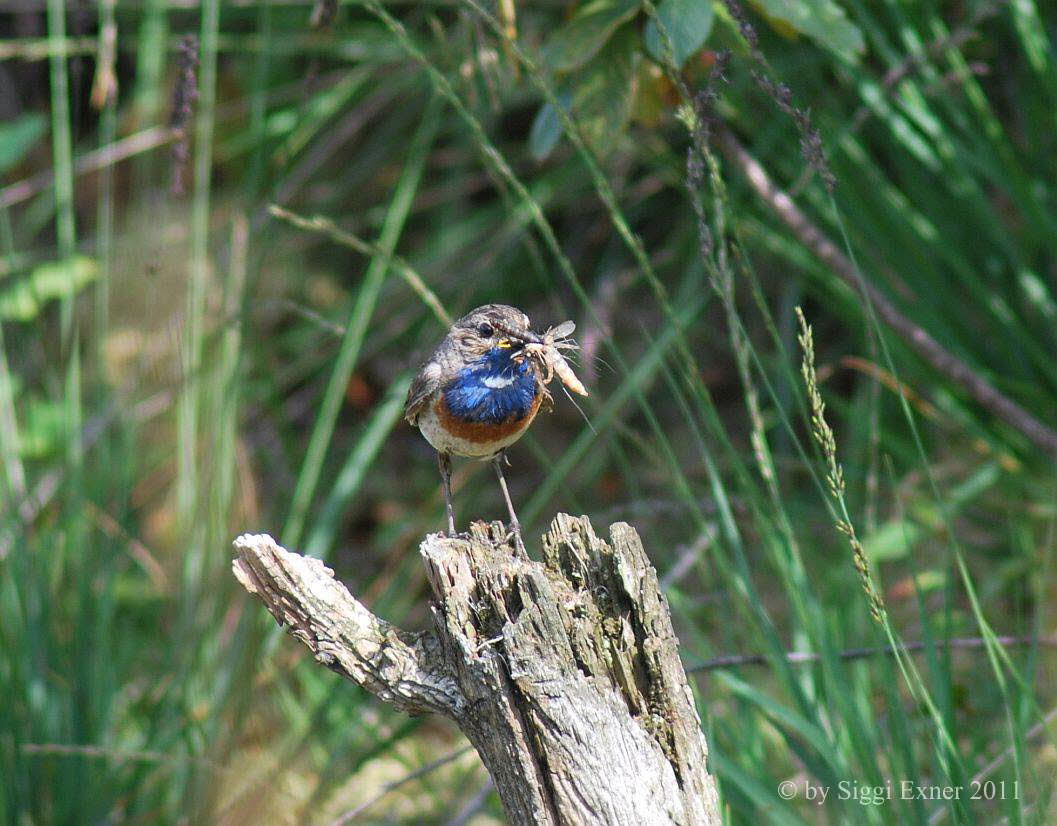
(823, 434)
(820, 428)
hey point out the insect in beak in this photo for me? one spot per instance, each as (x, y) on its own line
(504, 344)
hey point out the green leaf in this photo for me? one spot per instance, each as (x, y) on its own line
(892, 540)
(687, 23)
(21, 299)
(599, 99)
(43, 428)
(586, 33)
(822, 20)
(603, 94)
(930, 580)
(18, 136)
(546, 129)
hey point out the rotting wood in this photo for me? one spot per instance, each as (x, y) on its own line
(563, 674)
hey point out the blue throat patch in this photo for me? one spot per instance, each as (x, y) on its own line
(470, 398)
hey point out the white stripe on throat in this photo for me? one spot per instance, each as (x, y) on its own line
(497, 382)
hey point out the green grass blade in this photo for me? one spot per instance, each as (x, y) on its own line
(349, 479)
(357, 324)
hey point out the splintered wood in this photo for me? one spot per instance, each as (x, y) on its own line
(564, 674)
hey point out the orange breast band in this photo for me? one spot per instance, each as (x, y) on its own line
(482, 433)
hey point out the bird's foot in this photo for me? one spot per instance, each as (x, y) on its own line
(514, 535)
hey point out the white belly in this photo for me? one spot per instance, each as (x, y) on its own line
(445, 442)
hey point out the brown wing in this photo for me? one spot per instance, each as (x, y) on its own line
(422, 388)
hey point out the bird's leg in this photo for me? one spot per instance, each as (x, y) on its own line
(515, 525)
(444, 461)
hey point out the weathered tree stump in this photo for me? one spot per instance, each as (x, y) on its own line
(565, 675)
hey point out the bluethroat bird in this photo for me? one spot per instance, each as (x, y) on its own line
(482, 388)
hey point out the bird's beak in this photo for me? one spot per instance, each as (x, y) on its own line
(521, 337)
(504, 344)
(525, 337)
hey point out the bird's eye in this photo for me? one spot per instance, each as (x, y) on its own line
(485, 330)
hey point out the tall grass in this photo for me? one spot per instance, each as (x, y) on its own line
(242, 362)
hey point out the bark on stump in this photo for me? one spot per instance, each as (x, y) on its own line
(564, 675)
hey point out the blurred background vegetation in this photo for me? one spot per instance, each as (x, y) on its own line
(229, 232)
